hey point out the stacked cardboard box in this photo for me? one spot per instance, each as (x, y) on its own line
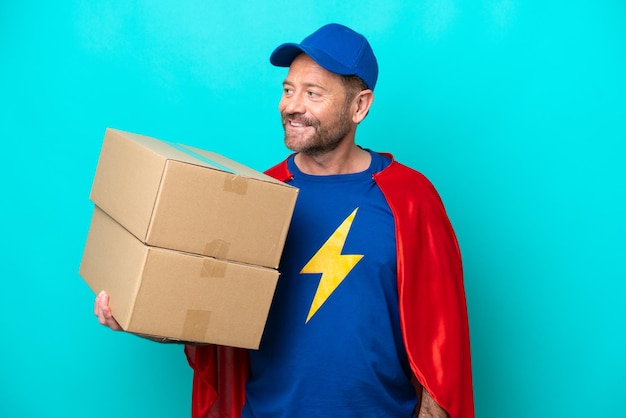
(185, 241)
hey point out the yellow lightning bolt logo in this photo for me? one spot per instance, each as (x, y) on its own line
(333, 265)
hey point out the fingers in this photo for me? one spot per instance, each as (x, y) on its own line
(96, 304)
(102, 302)
(103, 312)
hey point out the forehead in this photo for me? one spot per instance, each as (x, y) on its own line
(304, 70)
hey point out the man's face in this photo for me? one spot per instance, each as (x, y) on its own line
(313, 107)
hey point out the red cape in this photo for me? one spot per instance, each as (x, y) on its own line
(433, 310)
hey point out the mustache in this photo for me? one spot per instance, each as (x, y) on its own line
(298, 118)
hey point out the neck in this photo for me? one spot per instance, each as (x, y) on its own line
(343, 160)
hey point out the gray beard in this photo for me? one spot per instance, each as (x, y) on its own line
(325, 139)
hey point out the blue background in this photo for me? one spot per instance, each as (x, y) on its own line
(514, 109)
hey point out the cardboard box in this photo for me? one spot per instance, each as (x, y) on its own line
(174, 196)
(176, 295)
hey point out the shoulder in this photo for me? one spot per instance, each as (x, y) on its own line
(411, 195)
(402, 175)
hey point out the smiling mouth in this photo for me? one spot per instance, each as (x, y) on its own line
(297, 121)
(296, 124)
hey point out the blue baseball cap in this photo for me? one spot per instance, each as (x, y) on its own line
(335, 48)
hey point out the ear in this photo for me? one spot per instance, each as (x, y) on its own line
(363, 102)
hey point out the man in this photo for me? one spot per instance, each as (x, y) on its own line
(369, 317)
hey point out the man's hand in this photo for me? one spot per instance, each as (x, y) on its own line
(103, 312)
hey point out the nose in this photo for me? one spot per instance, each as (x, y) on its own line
(292, 104)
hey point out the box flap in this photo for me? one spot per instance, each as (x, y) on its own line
(197, 156)
(234, 167)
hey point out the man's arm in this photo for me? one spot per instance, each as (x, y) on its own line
(429, 408)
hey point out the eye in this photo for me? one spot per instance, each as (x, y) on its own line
(312, 94)
(287, 91)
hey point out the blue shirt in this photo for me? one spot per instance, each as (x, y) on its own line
(332, 345)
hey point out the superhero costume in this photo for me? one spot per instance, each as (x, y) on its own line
(430, 286)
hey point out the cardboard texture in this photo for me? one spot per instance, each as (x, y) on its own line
(174, 196)
(176, 295)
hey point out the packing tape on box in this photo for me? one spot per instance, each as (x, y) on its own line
(236, 184)
(199, 157)
(217, 248)
(213, 268)
(196, 325)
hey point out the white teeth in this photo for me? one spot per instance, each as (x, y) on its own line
(298, 125)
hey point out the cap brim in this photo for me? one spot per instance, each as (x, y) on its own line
(284, 55)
